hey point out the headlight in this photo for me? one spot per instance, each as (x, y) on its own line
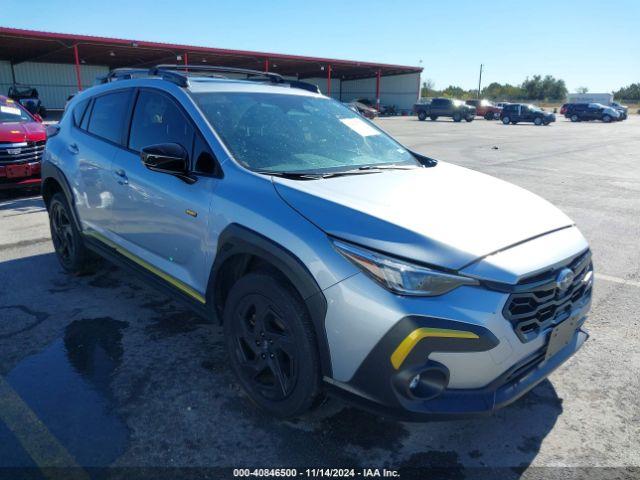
(399, 276)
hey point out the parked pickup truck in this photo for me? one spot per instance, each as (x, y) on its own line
(486, 109)
(445, 107)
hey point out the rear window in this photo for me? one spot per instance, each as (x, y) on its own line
(440, 101)
(108, 116)
(510, 107)
(78, 112)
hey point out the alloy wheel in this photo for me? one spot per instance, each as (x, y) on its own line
(62, 233)
(264, 347)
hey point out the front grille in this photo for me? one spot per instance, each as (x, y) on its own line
(23, 152)
(538, 303)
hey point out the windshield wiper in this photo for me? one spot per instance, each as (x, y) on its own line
(292, 175)
(388, 167)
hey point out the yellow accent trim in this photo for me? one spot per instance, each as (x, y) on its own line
(404, 349)
(134, 258)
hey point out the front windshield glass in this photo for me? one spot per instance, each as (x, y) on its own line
(271, 132)
(10, 112)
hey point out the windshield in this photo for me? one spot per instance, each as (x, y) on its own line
(10, 112)
(272, 132)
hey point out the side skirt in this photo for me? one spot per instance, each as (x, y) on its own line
(111, 254)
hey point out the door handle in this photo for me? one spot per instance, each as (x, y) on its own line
(73, 148)
(122, 176)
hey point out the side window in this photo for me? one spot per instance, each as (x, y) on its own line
(108, 115)
(203, 159)
(157, 119)
(78, 112)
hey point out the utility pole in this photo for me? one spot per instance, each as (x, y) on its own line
(479, 81)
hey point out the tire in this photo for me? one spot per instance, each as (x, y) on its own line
(271, 344)
(470, 118)
(489, 116)
(537, 121)
(496, 116)
(506, 120)
(606, 118)
(68, 243)
(422, 115)
(457, 117)
(433, 117)
(574, 118)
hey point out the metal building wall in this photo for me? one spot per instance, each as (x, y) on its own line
(5, 77)
(321, 83)
(55, 81)
(399, 90)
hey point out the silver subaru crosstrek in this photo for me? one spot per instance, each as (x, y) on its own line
(337, 260)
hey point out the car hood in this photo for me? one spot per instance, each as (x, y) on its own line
(16, 132)
(445, 215)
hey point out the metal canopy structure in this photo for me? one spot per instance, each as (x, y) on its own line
(18, 45)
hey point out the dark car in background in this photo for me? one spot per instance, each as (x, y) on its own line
(28, 97)
(445, 107)
(520, 112)
(581, 112)
(363, 109)
(22, 141)
(485, 108)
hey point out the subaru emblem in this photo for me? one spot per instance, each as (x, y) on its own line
(564, 279)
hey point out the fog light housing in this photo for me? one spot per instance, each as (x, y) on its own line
(423, 382)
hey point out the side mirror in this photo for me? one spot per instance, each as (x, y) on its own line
(169, 158)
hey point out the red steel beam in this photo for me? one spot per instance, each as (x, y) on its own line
(77, 61)
(186, 61)
(266, 64)
(107, 41)
(329, 80)
(378, 91)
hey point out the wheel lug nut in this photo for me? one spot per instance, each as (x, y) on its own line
(262, 334)
(258, 342)
(263, 356)
(272, 355)
(271, 342)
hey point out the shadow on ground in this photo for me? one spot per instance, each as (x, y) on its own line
(174, 398)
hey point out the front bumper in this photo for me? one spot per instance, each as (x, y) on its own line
(453, 403)
(29, 175)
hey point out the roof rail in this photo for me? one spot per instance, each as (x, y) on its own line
(186, 69)
(179, 74)
(123, 74)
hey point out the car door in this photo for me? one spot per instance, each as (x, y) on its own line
(158, 217)
(94, 139)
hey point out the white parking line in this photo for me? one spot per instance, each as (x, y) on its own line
(622, 281)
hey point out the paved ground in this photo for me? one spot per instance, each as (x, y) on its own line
(102, 370)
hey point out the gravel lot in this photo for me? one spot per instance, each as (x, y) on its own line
(116, 374)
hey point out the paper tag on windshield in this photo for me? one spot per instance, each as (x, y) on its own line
(10, 110)
(361, 127)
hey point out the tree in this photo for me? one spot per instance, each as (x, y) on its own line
(427, 88)
(582, 90)
(632, 92)
(547, 88)
(455, 92)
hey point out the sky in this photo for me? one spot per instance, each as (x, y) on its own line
(588, 43)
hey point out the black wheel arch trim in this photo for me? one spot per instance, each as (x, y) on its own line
(51, 171)
(236, 239)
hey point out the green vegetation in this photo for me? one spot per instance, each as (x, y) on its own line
(536, 88)
(630, 93)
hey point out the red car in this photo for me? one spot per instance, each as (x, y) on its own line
(22, 140)
(486, 109)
